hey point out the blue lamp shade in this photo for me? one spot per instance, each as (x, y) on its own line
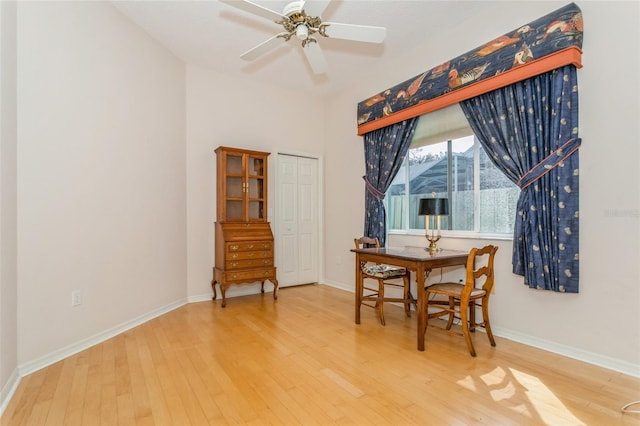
(433, 206)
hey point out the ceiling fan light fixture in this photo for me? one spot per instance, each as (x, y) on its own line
(302, 32)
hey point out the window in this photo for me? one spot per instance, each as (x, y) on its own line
(446, 160)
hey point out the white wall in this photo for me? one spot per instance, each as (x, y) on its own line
(8, 194)
(231, 111)
(601, 324)
(101, 174)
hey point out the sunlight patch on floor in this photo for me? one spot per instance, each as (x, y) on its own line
(468, 383)
(523, 393)
(543, 400)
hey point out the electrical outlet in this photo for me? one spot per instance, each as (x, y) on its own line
(76, 298)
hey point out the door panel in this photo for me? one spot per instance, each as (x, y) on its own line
(307, 220)
(297, 219)
(288, 259)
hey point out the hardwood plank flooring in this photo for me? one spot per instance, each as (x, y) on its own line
(303, 360)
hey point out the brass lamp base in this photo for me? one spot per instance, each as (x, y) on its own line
(433, 247)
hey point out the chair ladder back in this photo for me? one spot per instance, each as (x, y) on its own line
(363, 241)
(474, 273)
(470, 280)
(487, 270)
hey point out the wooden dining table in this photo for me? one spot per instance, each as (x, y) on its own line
(416, 259)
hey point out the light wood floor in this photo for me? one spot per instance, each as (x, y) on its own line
(302, 360)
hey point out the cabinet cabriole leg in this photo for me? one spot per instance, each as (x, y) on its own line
(223, 290)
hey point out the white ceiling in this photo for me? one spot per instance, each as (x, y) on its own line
(213, 35)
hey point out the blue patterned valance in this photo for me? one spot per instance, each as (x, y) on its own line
(550, 42)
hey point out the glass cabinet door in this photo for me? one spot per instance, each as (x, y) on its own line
(234, 187)
(256, 188)
(242, 185)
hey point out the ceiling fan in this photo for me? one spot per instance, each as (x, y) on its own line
(302, 20)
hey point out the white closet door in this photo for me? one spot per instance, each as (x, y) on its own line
(307, 220)
(297, 224)
(287, 223)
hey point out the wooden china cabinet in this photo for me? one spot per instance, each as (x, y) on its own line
(243, 237)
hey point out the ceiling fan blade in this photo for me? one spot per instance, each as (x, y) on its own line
(355, 32)
(315, 57)
(256, 9)
(315, 7)
(263, 47)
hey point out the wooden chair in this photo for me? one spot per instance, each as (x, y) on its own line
(462, 299)
(382, 273)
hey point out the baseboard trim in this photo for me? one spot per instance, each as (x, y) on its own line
(338, 285)
(200, 298)
(8, 390)
(603, 361)
(81, 345)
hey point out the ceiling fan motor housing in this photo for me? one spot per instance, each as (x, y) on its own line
(293, 7)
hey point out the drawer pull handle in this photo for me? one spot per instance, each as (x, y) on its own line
(234, 256)
(234, 264)
(234, 247)
(250, 246)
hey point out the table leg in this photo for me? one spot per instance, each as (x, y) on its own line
(422, 306)
(359, 288)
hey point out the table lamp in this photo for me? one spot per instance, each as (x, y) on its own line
(432, 209)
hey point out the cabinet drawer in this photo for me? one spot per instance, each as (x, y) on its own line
(252, 246)
(253, 263)
(250, 276)
(248, 255)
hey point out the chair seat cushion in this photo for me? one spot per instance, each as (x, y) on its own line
(453, 289)
(383, 271)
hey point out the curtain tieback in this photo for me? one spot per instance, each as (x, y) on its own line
(377, 194)
(549, 163)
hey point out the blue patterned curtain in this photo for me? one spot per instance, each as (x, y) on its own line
(530, 131)
(384, 152)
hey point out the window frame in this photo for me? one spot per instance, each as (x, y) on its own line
(476, 233)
